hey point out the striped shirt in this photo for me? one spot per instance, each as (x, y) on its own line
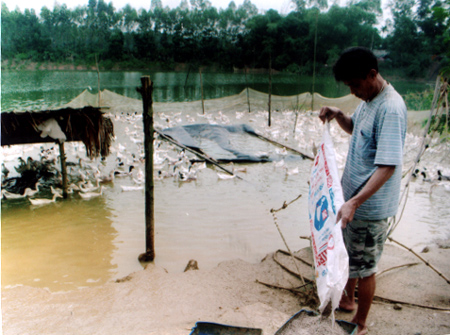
(379, 129)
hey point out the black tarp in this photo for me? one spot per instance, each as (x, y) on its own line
(232, 143)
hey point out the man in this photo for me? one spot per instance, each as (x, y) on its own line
(372, 174)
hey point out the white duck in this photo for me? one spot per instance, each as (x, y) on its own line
(89, 187)
(56, 190)
(27, 193)
(131, 188)
(89, 195)
(119, 174)
(225, 176)
(41, 202)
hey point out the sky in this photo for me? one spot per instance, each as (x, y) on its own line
(282, 6)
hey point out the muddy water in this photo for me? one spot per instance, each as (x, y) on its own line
(77, 243)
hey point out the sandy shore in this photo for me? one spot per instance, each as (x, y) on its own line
(153, 301)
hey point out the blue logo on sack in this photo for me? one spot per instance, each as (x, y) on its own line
(332, 200)
(321, 213)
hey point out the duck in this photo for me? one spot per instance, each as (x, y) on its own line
(10, 195)
(72, 187)
(225, 176)
(102, 179)
(131, 188)
(290, 172)
(425, 178)
(89, 187)
(28, 192)
(186, 175)
(119, 174)
(90, 195)
(5, 170)
(442, 177)
(40, 202)
(31, 192)
(56, 190)
(280, 164)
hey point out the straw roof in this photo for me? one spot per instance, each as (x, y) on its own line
(87, 124)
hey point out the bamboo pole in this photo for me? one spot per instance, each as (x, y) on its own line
(98, 82)
(270, 90)
(283, 146)
(146, 91)
(201, 89)
(248, 95)
(203, 156)
(314, 62)
(62, 158)
(187, 76)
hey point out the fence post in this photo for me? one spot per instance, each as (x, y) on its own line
(62, 157)
(201, 88)
(270, 91)
(146, 91)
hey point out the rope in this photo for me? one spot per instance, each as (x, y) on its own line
(437, 99)
(273, 211)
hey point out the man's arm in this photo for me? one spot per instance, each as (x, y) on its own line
(379, 177)
(344, 121)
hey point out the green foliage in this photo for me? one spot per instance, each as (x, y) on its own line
(439, 124)
(419, 101)
(239, 36)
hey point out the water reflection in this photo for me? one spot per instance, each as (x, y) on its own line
(28, 89)
(62, 246)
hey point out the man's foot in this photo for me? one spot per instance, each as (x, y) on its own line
(362, 331)
(347, 305)
(362, 328)
(346, 309)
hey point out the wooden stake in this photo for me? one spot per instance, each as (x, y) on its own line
(248, 95)
(146, 91)
(201, 88)
(62, 158)
(314, 62)
(270, 90)
(187, 76)
(98, 82)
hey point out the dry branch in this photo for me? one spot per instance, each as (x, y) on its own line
(422, 259)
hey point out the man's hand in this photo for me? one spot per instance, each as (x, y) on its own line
(346, 213)
(329, 113)
(378, 179)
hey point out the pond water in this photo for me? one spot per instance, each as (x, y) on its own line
(77, 243)
(41, 89)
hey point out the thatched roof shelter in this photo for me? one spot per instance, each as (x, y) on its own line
(87, 125)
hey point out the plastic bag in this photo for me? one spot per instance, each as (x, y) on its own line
(325, 200)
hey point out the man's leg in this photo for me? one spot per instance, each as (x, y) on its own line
(366, 292)
(347, 302)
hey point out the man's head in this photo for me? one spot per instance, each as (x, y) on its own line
(355, 63)
(357, 67)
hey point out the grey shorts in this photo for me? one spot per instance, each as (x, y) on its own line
(364, 241)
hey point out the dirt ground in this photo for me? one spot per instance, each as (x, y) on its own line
(153, 301)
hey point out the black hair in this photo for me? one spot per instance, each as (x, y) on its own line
(354, 63)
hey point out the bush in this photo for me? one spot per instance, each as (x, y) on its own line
(419, 101)
(438, 124)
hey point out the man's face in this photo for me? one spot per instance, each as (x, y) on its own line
(365, 89)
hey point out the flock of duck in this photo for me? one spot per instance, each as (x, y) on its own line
(41, 177)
